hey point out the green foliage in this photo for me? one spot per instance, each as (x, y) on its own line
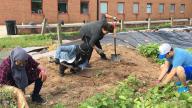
(150, 50)
(163, 25)
(126, 95)
(25, 41)
(120, 97)
(59, 105)
(7, 99)
(34, 40)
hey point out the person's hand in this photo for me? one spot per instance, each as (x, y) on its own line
(99, 51)
(157, 81)
(115, 18)
(42, 74)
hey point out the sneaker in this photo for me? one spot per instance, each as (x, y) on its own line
(183, 89)
(57, 61)
(75, 70)
(62, 70)
(178, 83)
(88, 66)
(38, 99)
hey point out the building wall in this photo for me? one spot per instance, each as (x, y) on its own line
(20, 10)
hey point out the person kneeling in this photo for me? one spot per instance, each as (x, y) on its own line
(178, 63)
(72, 56)
(20, 70)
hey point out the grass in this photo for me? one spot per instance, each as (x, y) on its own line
(34, 40)
(26, 41)
(163, 25)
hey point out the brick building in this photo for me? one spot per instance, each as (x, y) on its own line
(71, 11)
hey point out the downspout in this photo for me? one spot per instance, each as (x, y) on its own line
(97, 9)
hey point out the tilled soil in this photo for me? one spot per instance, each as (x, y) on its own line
(72, 89)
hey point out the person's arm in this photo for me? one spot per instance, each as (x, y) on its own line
(92, 42)
(39, 69)
(110, 17)
(178, 61)
(5, 67)
(164, 70)
(43, 73)
(98, 50)
(169, 77)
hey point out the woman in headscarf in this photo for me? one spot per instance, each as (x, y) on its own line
(21, 70)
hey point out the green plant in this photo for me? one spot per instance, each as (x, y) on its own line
(58, 105)
(126, 95)
(7, 99)
(25, 41)
(35, 40)
(150, 50)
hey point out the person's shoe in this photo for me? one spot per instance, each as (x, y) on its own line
(178, 83)
(61, 70)
(37, 99)
(57, 61)
(88, 65)
(183, 89)
(75, 70)
(72, 71)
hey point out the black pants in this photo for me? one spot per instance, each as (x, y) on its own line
(37, 87)
(97, 44)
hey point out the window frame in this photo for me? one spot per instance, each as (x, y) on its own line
(33, 12)
(150, 8)
(123, 7)
(62, 12)
(170, 7)
(134, 8)
(161, 4)
(100, 7)
(182, 11)
(85, 1)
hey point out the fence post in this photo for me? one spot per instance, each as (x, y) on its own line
(43, 26)
(149, 23)
(122, 24)
(58, 34)
(172, 22)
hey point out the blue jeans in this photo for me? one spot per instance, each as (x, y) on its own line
(64, 51)
(188, 71)
(61, 49)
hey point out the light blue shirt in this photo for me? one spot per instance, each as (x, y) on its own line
(181, 58)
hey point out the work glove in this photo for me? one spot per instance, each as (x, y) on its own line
(99, 51)
(115, 18)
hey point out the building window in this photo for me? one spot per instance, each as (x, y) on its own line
(172, 8)
(136, 8)
(103, 7)
(149, 8)
(62, 6)
(120, 8)
(84, 7)
(161, 8)
(182, 8)
(36, 6)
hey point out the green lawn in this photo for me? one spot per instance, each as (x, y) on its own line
(34, 40)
